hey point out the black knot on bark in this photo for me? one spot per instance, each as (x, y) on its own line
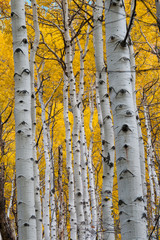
(112, 38)
(125, 128)
(144, 215)
(139, 199)
(18, 50)
(26, 224)
(25, 41)
(79, 194)
(121, 202)
(125, 146)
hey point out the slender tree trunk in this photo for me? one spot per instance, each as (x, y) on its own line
(75, 132)
(108, 140)
(61, 196)
(94, 225)
(153, 179)
(72, 210)
(141, 143)
(23, 122)
(46, 207)
(6, 229)
(33, 111)
(131, 203)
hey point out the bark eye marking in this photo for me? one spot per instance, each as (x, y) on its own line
(128, 113)
(19, 131)
(26, 225)
(144, 215)
(23, 123)
(122, 91)
(79, 194)
(125, 128)
(120, 106)
(125, 171)
(111, 88)
(26, 71)
(121, 159)
(124, 59)
(101, 82)
(33, 217)
(18, 50)
(13, 13)
(121, 202)
(25, 41)
(139, 199)
(24, 27)
(125, 146)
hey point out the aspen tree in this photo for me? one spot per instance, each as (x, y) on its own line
(141, 143)
(46, 206)
(33, 115)
(75, 132)
(23, 122)
(130, 192)
(92, 191)
(108, 136)
(61, 197)
(153, 179)
(72, 209)
(83, 145)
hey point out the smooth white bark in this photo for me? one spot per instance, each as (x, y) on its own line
(141, 143)
(23, 122)
(153, 179)
(46, 207)
(94, 223)
(72, 210)
(108, 136)
(33, 111)
(83, 145)
(75, 132)
(131, 203)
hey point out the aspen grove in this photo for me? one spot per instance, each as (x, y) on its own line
(80, 120)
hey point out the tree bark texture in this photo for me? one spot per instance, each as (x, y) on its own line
(131, 203)
(23, 124)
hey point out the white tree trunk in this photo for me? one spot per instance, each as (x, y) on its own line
(33, 111)
(46, 207)
(53, 206)
(108, 137)
(131, 203)
(75, 132)
(72, 210)
(94, 225)
(153, 179)
(86, 199)
(61, 197)
(83, 148)
(23, 122)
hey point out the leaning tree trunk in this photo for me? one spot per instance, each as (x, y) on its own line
(108, 136)
(23, 122)
(131, 203)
